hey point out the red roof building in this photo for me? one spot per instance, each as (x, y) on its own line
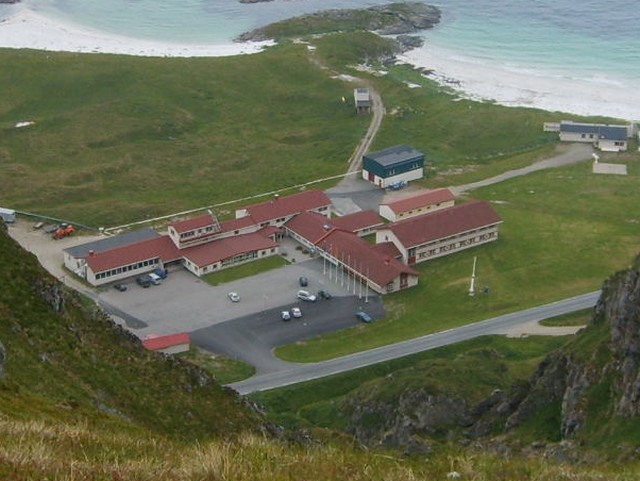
(221, 253)
(278, 210)
(194, 231)
(308, 227)
(388, 249)
(201, 243)
(361, 223)
(417, 204)
(170, 344)
(443, 232)
(130, 259)
(381, 272)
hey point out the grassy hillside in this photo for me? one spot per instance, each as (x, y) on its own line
(120, 138)
(59, 360)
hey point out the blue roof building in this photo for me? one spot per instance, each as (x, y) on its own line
(395, 165)
(609, 138)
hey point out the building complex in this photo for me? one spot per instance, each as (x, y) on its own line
(424, 226)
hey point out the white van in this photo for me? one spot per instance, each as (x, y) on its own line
(156, 280)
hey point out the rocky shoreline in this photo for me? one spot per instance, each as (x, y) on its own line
(391, 19)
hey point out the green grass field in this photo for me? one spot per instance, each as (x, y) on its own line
(245, 270)
(118, 139)
(225, 369)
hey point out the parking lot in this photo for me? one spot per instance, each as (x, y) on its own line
(252, 338)
(184, 302)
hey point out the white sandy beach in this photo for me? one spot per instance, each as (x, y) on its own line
(28, 29)
(483, 81)
(476, 80)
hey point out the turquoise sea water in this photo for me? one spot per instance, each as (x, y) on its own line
(587, 39)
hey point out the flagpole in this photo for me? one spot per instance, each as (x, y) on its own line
(472, 285)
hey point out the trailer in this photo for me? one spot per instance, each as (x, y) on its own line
(8, 215)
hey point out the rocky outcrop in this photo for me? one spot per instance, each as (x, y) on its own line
(601, 368)
(407, 421)
(52, 292)
(407, 18)
(391, 19)
(409, 42)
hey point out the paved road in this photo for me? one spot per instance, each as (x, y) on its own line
(306, 372)
(568, 154)
(353, 194)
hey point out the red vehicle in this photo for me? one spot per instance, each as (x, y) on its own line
(64, 230)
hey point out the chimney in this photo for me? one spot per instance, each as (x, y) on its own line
(92, 253)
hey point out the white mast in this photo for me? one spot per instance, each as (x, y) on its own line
(472, 286)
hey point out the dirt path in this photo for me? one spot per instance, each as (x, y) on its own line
(567, 154)
(377, 114)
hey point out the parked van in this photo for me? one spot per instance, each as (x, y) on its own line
(156, 280)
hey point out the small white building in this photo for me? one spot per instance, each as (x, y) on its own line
(8, 215)
(605, 137)
(362, 99)
(419, 203)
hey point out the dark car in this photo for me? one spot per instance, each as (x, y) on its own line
(364, 317)
(322, 294)
(144, 281)
(120, 287)
(304, 282)
(161, 273)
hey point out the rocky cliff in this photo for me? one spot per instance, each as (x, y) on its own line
(594, 383)
(586, 393)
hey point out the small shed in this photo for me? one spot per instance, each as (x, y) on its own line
(8, 215)
(400, 163)
(362, 99)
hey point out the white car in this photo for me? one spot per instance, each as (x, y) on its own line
(156, 280)
(285, 316)
(306, 296)
(297, 313)
(234, 297)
